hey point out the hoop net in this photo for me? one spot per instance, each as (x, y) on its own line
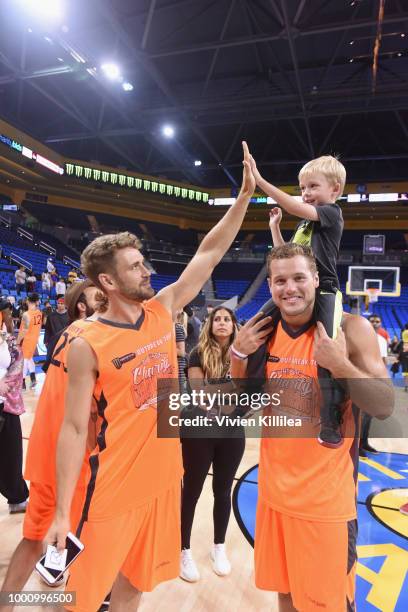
(372, 295)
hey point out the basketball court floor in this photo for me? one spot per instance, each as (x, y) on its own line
(382, 574)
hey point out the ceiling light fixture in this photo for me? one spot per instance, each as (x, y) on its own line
(111, 71)
(127, 86)
(51, 10)
(168, 131)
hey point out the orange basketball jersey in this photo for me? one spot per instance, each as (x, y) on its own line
(131, 465)
(33, 332)
(41, 452)
(297, 475)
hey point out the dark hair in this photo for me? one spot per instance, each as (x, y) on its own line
(214, 359)
(33, 298)
(74, 295)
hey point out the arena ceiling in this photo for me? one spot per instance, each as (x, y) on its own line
(292, 77)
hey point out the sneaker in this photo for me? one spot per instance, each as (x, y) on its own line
(330, 437)
(221, 565)
(188, 568)
(367, 447)
(404, 509)
(18, 508)
(33, 384)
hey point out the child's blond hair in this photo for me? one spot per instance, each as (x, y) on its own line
(327, 165)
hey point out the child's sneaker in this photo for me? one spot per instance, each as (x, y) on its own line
(330, 437)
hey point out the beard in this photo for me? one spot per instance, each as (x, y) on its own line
(136, 294)
(89, 311)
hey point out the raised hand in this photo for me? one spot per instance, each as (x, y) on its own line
(254, 169)
(248, 179)
(275, 217)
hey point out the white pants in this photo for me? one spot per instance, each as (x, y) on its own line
(29, 367)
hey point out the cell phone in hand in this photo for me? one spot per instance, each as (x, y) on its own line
(53, 564)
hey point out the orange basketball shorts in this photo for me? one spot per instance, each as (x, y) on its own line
(143, 544)
(313, 561)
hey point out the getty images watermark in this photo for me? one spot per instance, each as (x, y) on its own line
(213, 405)
(223, 410)
(275, 408)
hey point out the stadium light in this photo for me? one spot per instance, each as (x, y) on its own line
(45, 9)
(168, 131)
(111, 71)
(127, 86)
(197, 162)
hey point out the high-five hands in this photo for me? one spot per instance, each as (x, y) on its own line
(254, 169)
(248, 179)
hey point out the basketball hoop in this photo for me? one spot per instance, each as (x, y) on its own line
(372, 294)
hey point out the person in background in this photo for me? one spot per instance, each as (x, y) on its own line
(30, 282)
(193, 329)
(181, 349)
(376, 322)
(395, 345)
(46, 311)
(403, 356)
(6, 316)
(46, 283)
(20, 309)
(54, 278)
(72, 276)
(209, 308)
(13, 307)
(41, 456)
(12, 484)
(60, 287)
(28, 336)
(50, 266)
(365, 446)
(20, 276)
(56, 321)
(209, 368)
